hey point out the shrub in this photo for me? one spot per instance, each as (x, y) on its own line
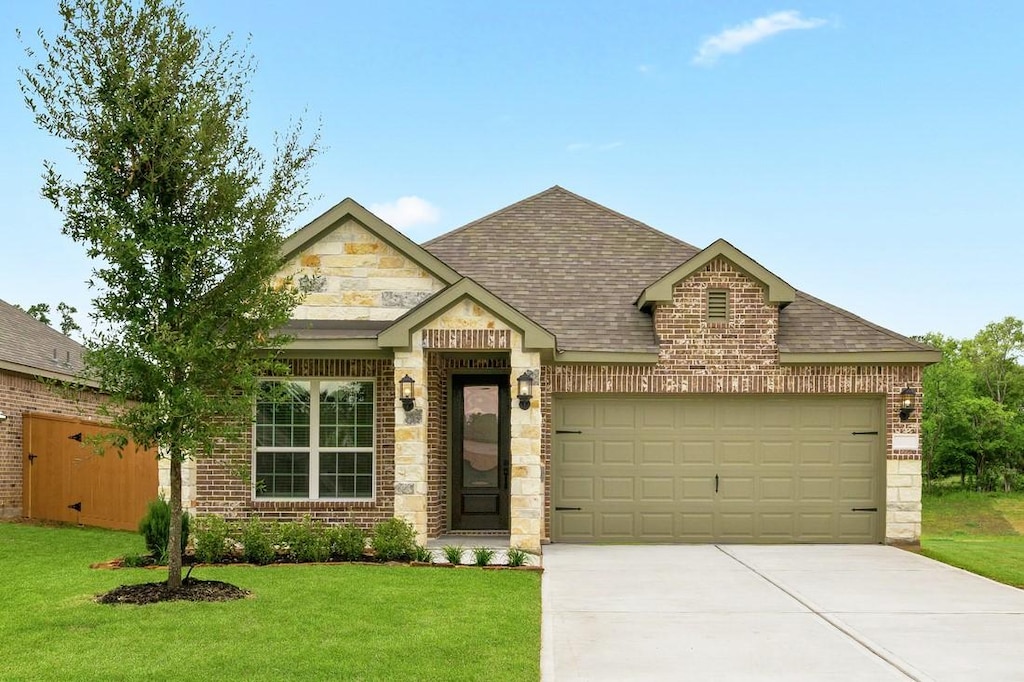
(422, 554)
(257, 547)
(347, 542)
(453, 554)
(517, 556)
(482, 555)
(155, 528)
(393, 540)
(210, 536)
(135, 560)
(307, 541)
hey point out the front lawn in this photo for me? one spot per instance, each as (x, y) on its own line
(980, 532)
(302, 622)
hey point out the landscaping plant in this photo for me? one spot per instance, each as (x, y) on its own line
(452, 554)
(423, 555)
(155, 528)
(257, 547)
(211, 537)
(516, 557)
(482, 556)
(394, 540)
(347, 542)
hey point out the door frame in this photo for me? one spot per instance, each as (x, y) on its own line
(457, 379)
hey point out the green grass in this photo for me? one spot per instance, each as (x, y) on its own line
(302, 622)
(980, 532)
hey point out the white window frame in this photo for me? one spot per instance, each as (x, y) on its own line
(314, 444)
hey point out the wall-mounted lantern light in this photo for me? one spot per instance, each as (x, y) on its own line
(405, 391)
(907, 396)
(525, 382)
(3, 417)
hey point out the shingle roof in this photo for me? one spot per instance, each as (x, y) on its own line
(573, 266)
(27, 344)
(576, 268)
(810, 325)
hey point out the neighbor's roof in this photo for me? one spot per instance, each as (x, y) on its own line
(31, 347)
(573, 266)
(577, 268)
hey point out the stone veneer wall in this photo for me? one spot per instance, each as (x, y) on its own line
(353, 275)
(19, 394)
(223, 483)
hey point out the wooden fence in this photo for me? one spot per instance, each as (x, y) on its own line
(66, 479)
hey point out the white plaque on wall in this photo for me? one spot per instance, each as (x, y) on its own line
(905, 441)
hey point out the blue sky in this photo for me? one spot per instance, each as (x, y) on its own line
(869, 153)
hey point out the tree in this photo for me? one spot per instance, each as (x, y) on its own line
(41, 311)
(181, 213)
(945, 386)
(996, 352)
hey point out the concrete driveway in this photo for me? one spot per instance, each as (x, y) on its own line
(795, 612)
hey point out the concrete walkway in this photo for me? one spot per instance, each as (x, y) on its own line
(796, 612)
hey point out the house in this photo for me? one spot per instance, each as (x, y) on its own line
(561, 372)
(48, 468)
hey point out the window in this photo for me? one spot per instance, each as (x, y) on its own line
(718, 305)
(314, 439)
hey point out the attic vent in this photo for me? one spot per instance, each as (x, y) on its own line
(718, 305)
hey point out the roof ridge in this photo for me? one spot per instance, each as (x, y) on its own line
(551, 190)
(857, 318)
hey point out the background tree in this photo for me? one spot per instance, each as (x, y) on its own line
(973, 414)
(180, 212)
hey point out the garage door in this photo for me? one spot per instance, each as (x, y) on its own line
(718, 469)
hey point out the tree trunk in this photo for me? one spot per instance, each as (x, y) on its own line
(174, 541)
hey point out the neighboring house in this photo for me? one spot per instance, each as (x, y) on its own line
(671, 394)
(31, 353)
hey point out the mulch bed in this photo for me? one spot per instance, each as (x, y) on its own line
(191, 590)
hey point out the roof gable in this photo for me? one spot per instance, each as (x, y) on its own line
(777, 292)
(399, 334)
(349, 208)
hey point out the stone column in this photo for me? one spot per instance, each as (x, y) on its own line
(188, 482)
(903, 501)
(527, 488)
(411, 441)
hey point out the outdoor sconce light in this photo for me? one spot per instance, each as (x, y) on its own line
(3, 417)
(405, 391)
(525, 382)
(906, 403)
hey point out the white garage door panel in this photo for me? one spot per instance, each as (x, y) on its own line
(790, 469)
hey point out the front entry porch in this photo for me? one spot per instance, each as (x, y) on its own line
(467, 455)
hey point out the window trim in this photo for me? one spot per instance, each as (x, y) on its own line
(314, 445)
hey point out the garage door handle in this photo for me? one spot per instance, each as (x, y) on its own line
(865, 433)
(568, 508)
(864, 509)
(566, 431)
(716, 483)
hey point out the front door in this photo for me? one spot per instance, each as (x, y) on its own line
(480, 452)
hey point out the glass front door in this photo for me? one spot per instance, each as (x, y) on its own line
(480, 452)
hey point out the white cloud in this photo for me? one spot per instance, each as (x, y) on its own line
(738, 38)
(645, 68)
(407, 212)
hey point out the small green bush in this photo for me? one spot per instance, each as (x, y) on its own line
(422, 555)
(210, 536)
(135, 560)
(394, 540)
(453, 554)
(257, 547)
(347, 542)
(517, 556)
(155, 528)
(482, 555)
(307, 541)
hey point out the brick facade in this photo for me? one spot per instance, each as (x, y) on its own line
(223, 481)
(20, 393)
